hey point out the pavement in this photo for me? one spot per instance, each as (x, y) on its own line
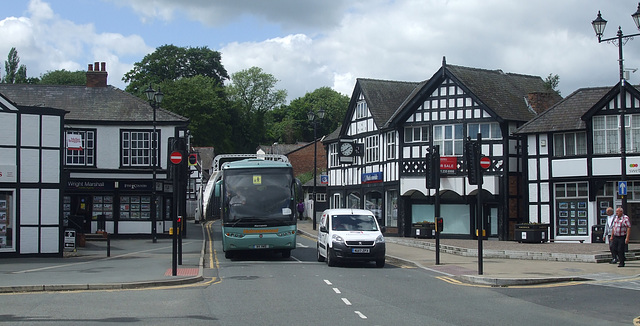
(141, 263)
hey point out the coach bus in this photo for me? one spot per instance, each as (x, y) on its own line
(257, 203)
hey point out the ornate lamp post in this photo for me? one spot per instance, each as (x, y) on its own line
(599, 25)
(154, 98)
(314, 118)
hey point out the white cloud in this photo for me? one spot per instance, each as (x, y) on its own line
(46, 42)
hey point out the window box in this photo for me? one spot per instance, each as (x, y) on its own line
(531, 232)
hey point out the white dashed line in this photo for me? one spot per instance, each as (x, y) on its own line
(346, 301)
(328, 283)
(336, 290)
(361, 315)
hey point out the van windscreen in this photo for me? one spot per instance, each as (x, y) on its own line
(353, 223)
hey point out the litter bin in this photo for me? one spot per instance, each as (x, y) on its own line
(597, 234)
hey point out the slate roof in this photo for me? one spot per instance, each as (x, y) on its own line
(383, 97)
(567, 114)
(504, 93)
(105, 104)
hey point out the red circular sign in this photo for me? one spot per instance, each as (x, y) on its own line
(485, 162)
(176, 157)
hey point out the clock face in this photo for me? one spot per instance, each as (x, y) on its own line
(346, 149)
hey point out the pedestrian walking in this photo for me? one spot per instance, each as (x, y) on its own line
(300, 209)
(620, 232)
(607, 233)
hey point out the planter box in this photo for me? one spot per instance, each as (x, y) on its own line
(423, 230)
(533, 233)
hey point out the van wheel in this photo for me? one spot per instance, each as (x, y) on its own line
(331, 258)
(320, 258)
(380, 263)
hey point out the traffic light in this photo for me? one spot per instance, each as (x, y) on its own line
(193, 159)
(433, 167)
(439, 224)
(472, 158)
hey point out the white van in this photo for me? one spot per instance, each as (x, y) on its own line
(350, 235)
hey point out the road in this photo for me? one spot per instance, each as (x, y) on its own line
(269, 290)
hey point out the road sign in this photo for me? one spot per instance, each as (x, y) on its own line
(193, 159)
(622, 188)
(176, 157)
(485, 162)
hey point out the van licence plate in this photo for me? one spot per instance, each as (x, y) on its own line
(360, 250)
(262, 246)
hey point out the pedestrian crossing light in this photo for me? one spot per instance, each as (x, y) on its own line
(193, 159)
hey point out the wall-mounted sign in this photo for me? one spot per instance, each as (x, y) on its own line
(74, 142)
(372, 177)
(8, 173)
(448, 163)
(324, 179)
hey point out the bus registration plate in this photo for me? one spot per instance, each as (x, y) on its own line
(360, 250)
(261, 246)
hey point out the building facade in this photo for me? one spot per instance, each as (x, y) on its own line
(575, 160)
(109, 154)
(31, 188)
(393, 125)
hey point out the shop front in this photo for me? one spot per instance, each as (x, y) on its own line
(117, 207)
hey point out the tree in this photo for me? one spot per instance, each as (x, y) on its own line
(253, 94)
(64, 77)
(551, 83)
(203, 101)
(290, 123)
(170, 62)
(12, 68)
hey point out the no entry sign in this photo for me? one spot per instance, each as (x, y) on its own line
(485, 162)
(176, 157)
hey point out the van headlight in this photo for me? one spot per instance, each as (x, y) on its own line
(337, 239)
(380, 239)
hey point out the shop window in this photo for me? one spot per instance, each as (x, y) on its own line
(392, 208)
(102, 205)
(373, 202)
(135, 207)
(571, 209)
(7, 220)
(353, 200)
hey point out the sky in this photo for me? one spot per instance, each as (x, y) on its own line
(308, 44)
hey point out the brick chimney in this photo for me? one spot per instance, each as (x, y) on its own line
(97, 74)
(541, 101)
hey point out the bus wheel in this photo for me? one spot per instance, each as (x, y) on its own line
(286, 253)
(228, 254)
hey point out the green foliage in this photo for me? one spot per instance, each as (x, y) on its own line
(551, 83)
(64, 77)
(170, 63)
(290, 123)
(202, 100)
(253, 94)
(14, 73)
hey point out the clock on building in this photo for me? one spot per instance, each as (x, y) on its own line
(346, 149)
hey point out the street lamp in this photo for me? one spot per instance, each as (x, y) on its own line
(314, 117)
(154, 98)
(599, 25)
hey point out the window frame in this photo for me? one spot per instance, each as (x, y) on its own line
(88, 151)
(143, 153)
(456, 140)
(563, 149)
(372, 149)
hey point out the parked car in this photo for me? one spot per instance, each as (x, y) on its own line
(350, 235)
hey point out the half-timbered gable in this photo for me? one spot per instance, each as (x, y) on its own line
(448, 110)
(574, 160)
(368, 178)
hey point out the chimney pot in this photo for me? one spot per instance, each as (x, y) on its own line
(103, 66)
(97, 77)
(90, 67)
